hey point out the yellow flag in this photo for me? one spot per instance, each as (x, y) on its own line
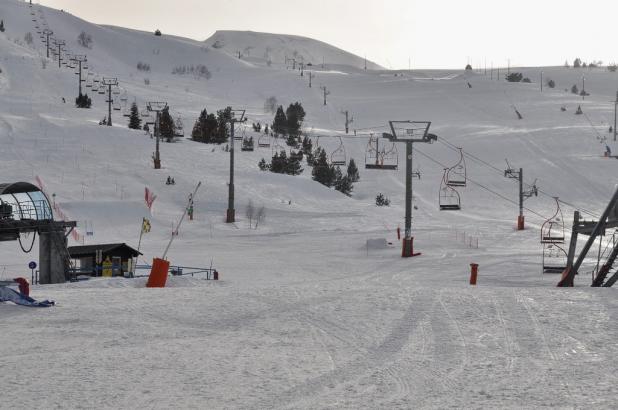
(145, 226)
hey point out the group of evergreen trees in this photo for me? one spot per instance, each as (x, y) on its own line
(289, 123)
(282, 164)
(83, 101)
(331, 176)
(211, 129)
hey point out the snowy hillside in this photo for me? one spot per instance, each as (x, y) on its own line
(267, 48)
(305, 315)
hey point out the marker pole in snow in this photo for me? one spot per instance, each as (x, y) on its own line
(409, 132)
(615, 107)
(167, 248)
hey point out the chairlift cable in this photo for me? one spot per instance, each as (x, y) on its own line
(481, 185)
(501, 172)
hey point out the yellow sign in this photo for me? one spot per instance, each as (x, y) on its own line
(107, 268)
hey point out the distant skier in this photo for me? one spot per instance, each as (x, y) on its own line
(63, 100)
(579, 110)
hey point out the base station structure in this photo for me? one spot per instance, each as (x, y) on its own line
(25, 210)
(606, 259)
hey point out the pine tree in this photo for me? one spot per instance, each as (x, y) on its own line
(279, 163)
(344, 185)
(307, 145)
(353, 174)
(135, 122)
(295, 116)
(293, 166)
(323, 172)
(263, 165)
(166, 125)
(292, 141)
(198, 132)
(221, 134)
(280, 122)
(381, 200)
(83, 101)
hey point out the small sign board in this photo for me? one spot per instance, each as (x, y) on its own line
(32, 265)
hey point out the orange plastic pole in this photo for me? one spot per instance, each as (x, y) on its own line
(474, 270)
(158, 273)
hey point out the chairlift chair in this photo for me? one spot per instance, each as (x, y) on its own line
(338, 157)
(264, 141)
(238, 136)
(554, 258)
(381, 159)
(552, 230)
(116, 105)
(449, 198)
(179, 130)
(456, 175)
(371, 153)
(247, 144)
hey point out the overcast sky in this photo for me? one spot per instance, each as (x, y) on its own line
(429, 33)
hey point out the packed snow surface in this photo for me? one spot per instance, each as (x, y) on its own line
(308, 313)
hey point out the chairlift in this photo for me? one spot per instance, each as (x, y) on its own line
(124, 97)
(179, 131)
(456, 175)
(376, 158)
(449, 199)
(552, 230)
(238, 136)
(264, 141)
(116, 105)
(116, 90)
(247, 144)
(338, 157)
(554, 258)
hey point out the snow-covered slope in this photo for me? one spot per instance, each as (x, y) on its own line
(306, 314)
(267, 48)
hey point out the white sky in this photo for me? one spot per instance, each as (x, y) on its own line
(432, 33)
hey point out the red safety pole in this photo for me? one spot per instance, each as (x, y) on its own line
(474, 270)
